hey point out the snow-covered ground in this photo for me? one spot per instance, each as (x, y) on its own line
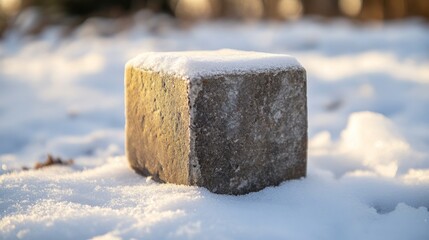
(368, 173)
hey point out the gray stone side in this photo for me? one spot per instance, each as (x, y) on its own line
(249, 130)
(157, 125)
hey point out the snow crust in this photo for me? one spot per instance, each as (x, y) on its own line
(368, 172)
(191, 64)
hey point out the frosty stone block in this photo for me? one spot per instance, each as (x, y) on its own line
(231, 121)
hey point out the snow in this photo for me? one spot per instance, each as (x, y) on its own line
(191, 64)
(368, 150)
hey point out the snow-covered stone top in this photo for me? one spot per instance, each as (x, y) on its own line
(192, 64)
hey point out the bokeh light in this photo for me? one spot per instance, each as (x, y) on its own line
(192, 9)
(350, 7)
(290, 9)
(10, 6)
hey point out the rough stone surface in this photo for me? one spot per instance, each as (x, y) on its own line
(232, 133)
(157, 125)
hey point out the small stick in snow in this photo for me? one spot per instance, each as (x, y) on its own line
(50, 161)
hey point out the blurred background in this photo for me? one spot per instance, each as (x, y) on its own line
(62, 64)
(33, 15)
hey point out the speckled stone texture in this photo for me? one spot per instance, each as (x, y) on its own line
(230, 133)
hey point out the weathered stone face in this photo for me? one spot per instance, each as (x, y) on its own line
(232, 133)
(157, 125)
(249, 131)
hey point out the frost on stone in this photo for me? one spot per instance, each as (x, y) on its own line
(192, 64)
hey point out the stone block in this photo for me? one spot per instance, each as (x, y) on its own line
(233, 122)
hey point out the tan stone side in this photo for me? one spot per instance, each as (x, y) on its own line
(157, 125)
